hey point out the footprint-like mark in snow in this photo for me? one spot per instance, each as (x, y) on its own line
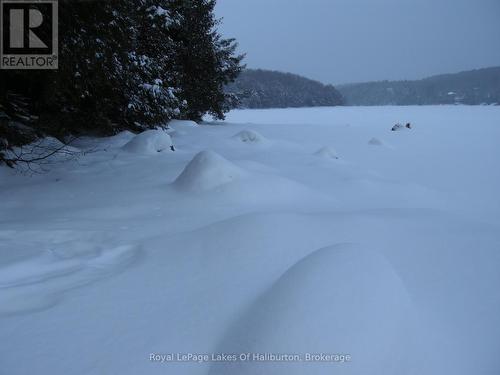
(40, 282)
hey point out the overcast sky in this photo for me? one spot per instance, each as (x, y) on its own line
(340, 41)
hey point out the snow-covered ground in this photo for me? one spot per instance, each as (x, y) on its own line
(294, 231)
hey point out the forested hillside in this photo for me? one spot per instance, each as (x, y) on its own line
(480, 86)
(271, 89)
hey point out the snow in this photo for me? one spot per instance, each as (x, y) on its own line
(250, 137)
(388, 255)
(327, 152)
(181, 123)
(45, 148)
(375, 142)
(180, 127)
(345, 297)
(39, 282)
(149, 142)
(207, 170)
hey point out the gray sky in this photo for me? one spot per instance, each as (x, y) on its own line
(340, 41)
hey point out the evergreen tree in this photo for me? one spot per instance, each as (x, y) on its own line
(150, 90)
(204, 61)
(130, 64)
(116, 65)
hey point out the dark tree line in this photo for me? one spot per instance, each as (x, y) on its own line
(129, 64)
(270, 89)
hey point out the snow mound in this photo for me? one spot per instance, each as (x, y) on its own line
(149, 142)
(340, 299)
(117, 140)
(327, 152)
(181, 127)
(44, 151)
(114, 141)
(182, 123)
(249, 136)
(375, 142)
(207, 170)
(53, 143)
(48, 145)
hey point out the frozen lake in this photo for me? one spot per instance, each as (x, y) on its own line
(288, 231)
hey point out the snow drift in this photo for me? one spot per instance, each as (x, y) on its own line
(181, 123)
(40, 282)
(105, 250)
(207, 170)
(49, 149)
(327, 152)
(249, 136)
(180, 127)
(340, 299)
(375, 142)
(149, 142)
